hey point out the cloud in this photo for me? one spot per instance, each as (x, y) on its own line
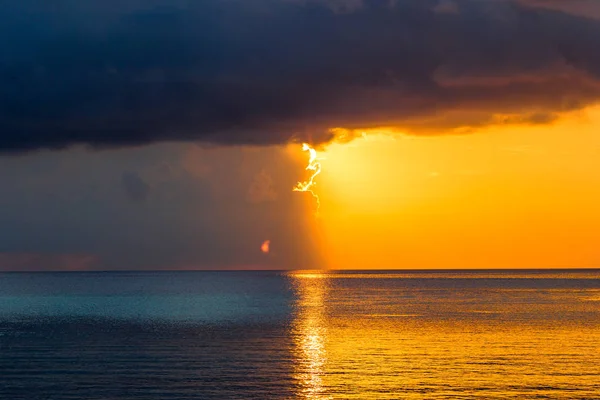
(264, 72)
(47, 261)
(261, 189)
(446, 6)
(135, 187)
(585, 8)
(57, 208)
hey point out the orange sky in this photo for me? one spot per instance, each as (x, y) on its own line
(503, 197)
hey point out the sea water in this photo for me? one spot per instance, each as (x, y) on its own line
(303, 334)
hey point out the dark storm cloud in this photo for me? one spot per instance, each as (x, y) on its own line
(270, 71)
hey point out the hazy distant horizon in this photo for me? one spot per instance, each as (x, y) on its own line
(400, 270)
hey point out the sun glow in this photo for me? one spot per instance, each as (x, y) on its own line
(315, 166)
(460, 201)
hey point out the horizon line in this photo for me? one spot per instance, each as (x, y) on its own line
(389, 270)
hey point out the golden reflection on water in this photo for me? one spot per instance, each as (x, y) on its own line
(412, 338)
(310, 332)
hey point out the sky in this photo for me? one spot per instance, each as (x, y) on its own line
(166, 134)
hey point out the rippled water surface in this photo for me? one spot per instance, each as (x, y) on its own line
(313, 335)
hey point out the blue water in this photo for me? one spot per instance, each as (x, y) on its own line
(314, 335)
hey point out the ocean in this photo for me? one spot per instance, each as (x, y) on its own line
(300, 335)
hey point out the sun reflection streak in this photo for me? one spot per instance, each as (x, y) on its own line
(309, 331)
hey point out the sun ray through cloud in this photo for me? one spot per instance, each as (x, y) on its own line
(315, 166)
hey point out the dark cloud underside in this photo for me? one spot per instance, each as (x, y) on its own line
(270, 71)
(586, 8)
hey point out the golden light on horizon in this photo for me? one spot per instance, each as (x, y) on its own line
(502, 197)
